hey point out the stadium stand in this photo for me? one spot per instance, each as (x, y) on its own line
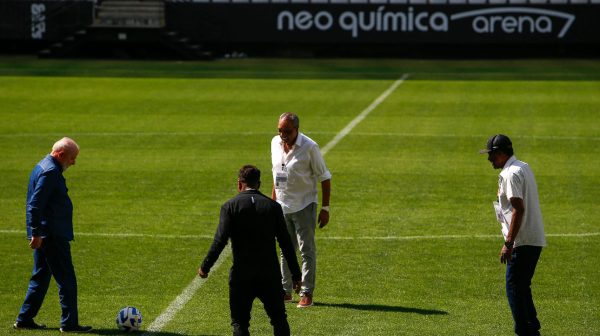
(119, 13)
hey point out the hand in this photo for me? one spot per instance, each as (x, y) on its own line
(36, 242)
(505, 254)
(323, 218)
(297, 286)
(202, 274)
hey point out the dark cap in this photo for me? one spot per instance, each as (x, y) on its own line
(495, 142)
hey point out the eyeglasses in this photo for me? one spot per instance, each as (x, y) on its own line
(286, 130)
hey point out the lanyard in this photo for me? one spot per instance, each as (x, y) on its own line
(285, 156)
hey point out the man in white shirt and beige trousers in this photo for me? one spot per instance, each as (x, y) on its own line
(297, 168)
(518, 211)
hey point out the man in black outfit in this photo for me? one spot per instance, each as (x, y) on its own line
(253, 221)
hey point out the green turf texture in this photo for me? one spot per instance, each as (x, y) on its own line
(161, 143)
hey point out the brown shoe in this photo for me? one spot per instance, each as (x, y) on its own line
(287, 298)
(306, 301)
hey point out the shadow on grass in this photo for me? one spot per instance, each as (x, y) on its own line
(139, 333)
(113, 331)
(383, 308)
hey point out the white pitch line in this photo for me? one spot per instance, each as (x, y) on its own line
(182, 299)
(420, 237)
(362, 115)
(134, 134)
(191, 289)
(179, 302)
(478, 136)
(124, 235)
(427, 237)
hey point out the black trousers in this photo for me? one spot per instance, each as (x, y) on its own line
(519, 273)
(270, 293)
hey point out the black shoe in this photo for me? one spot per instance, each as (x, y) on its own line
(75, 329)
(28, 325)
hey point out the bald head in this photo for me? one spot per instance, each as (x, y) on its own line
(288, 128)
(65, 151)
(65, 144)
(291, 118)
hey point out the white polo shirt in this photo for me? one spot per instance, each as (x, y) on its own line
(516, 180)
(303, 166)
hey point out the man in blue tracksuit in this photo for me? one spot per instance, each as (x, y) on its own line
(49, 219)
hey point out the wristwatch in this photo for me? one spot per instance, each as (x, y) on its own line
(509, 244)
(326, 208)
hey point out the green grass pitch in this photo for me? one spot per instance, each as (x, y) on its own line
(412, 247)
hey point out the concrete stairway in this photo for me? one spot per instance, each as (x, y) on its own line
(128, 27)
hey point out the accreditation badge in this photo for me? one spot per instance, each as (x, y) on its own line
(503, 218)
(281, 179)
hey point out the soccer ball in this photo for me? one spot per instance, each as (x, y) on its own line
(129, 319)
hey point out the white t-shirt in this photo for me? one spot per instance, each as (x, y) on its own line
(297, 172)
(516, 180)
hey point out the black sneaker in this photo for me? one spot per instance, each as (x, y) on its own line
(75, 329)
(28, 325)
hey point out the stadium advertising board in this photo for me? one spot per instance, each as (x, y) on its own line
(313, 23)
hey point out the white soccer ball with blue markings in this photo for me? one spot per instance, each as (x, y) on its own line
(129, 319)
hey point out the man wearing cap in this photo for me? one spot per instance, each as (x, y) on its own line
(518, 211)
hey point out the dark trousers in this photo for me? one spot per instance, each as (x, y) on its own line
(519, 273)
(53, 259)
(270, 294)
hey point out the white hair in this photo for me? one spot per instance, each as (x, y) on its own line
(65, 144)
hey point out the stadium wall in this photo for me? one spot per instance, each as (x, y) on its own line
(43, 20)
(385, 23)
(350, 27)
